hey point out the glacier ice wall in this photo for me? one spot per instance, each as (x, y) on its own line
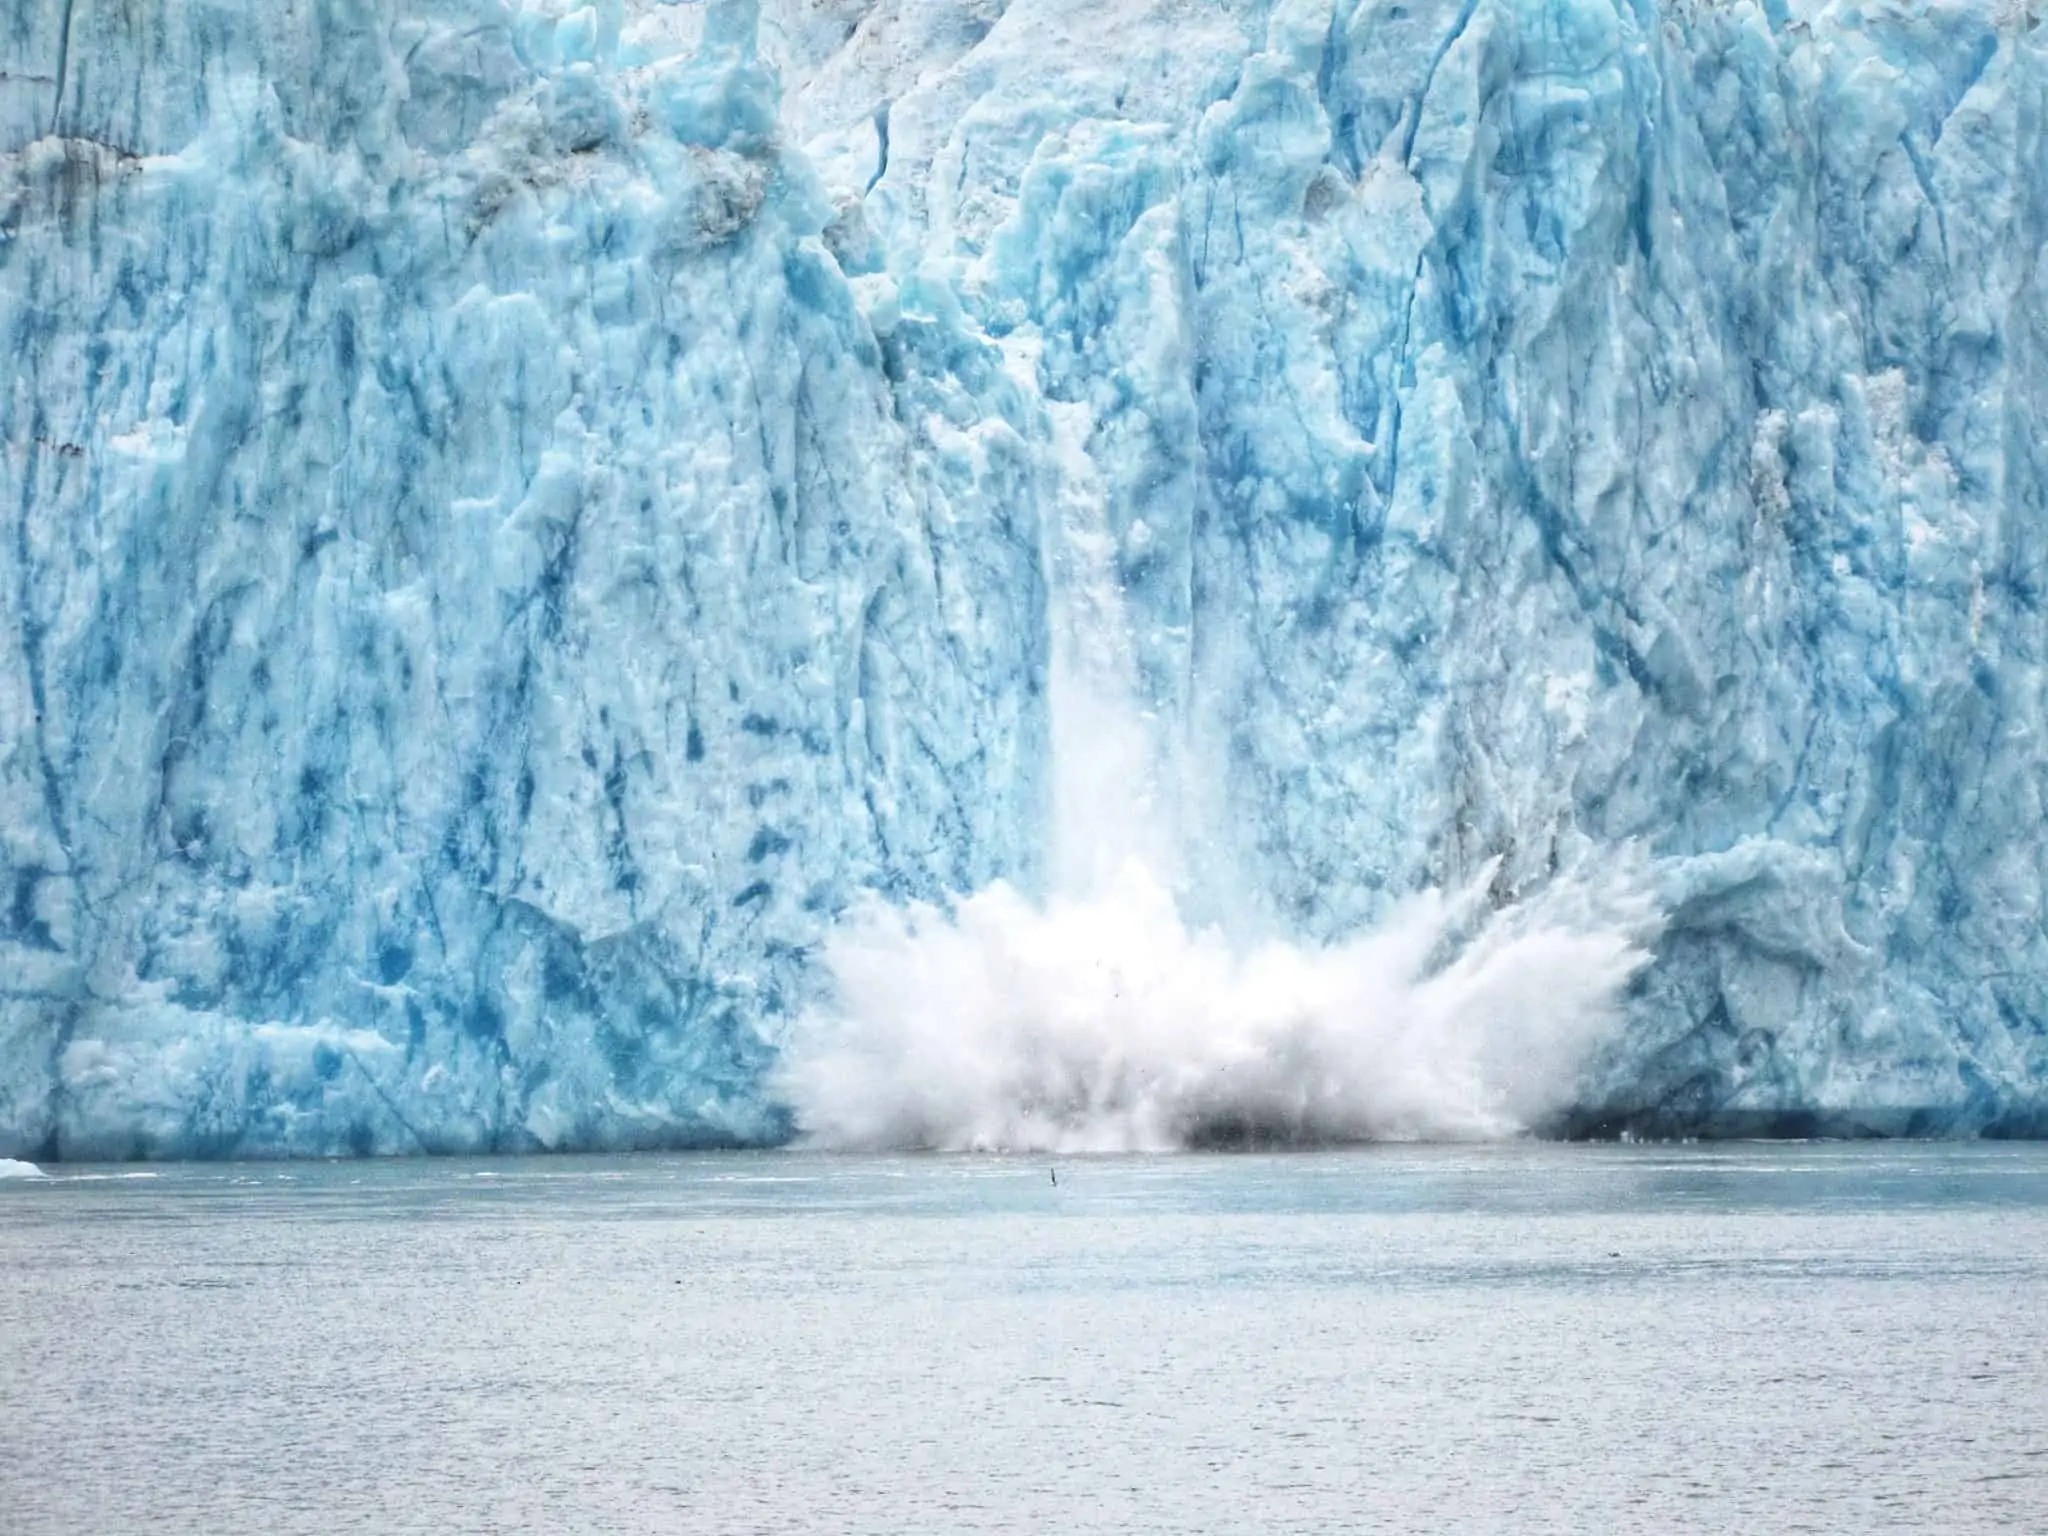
(519, 513)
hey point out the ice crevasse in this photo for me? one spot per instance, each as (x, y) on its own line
(517, 519)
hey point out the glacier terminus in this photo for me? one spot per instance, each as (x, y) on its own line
(679, 574)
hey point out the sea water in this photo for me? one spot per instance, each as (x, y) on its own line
(1525, 1337)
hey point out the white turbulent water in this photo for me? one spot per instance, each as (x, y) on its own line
(1103, 1021)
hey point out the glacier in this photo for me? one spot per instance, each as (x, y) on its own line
(521, 516)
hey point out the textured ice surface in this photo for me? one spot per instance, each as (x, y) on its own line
(516, 514)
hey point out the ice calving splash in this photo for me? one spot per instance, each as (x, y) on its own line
(1104, 1022)
(1100, 1020)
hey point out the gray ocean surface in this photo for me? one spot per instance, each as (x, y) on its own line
(1529, 1337)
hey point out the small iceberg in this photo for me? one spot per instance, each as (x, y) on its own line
(11, 1168)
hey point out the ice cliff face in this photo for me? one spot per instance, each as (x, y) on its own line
(516, 514)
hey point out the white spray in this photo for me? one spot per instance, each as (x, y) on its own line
(1100, 1020)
